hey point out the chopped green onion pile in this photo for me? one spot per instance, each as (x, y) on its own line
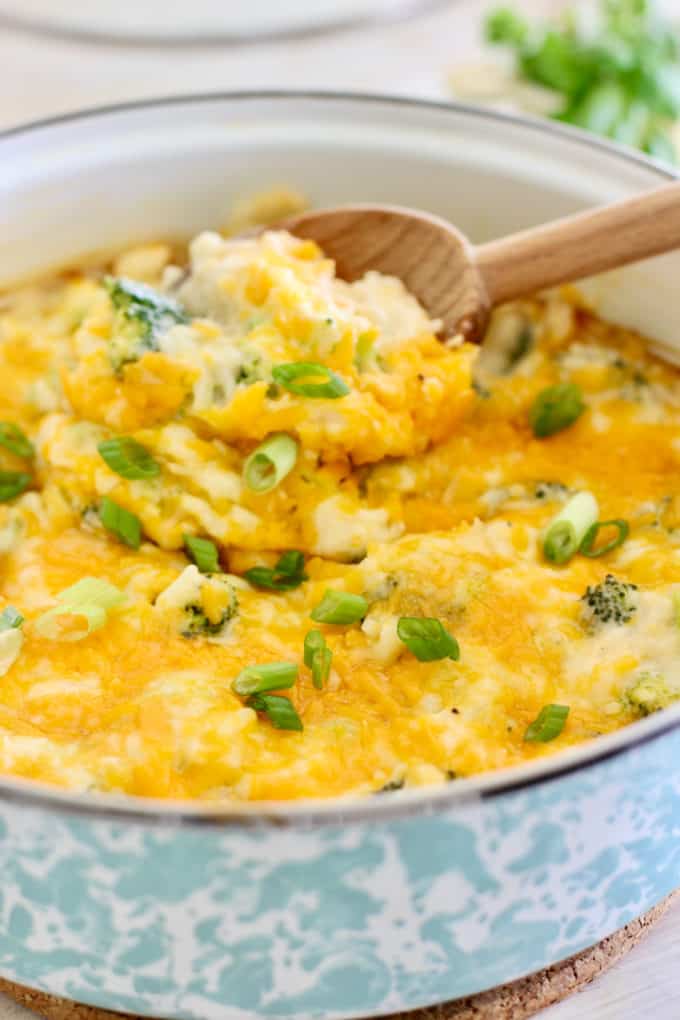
(547, 725)
(309, 379)
(340, 607)
(427, 638)
(204, 554)
(128, 458)
(90, 598)
(121, 523)
(555, 408)
(288, 573)
(614, 67)
(15, 440)
(318, 657)
(270, 463)
(270, 676)
(567, 531)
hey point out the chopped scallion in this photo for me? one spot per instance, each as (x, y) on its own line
(427, 638)
(298, 377)
(318, 657)
(547, 725)
(611, 67)
(675, 602)
(15, 440)
(280, 711)
(555, 408)
(314, 640)
(128, 458)
(588, 546)
(12, 484)
(566, 532)
(204, 554)
(10, 618)
(94, 590)
(121, 523)
(341, 607)
(288, 573)
(270, 676)
(270, 463)
(89, 598)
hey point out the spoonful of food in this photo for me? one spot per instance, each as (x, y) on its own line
(459, 282)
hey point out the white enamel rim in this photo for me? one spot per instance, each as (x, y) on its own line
(272, 26)
(425, 801)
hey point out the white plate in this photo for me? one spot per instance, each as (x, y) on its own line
(207, 20)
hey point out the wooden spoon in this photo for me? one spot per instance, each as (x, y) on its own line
(459, 282)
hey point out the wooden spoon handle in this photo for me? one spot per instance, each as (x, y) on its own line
(580, 245)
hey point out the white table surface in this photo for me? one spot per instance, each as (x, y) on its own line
(42, 76)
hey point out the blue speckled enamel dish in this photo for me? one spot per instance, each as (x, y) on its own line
(344, 908)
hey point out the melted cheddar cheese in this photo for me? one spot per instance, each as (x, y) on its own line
(421, 488)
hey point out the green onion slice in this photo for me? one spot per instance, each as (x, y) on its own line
(280, 711)
(547, 725)
(10, 618)
(588, 547)
(555, 408)
(12, 484)
(270, 676)
(427, 638)
(90, 598)
(288, 573)
(340, 607)
(314, 642)
(297, 377)
(675, 602)
(321, 667)
(318, 657)
(566, 532)
(270, 462)
(121, 523)
(128, 458)
(204, 554)
(94, 590)
(15, 440)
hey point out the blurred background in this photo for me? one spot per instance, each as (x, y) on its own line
(611, 66)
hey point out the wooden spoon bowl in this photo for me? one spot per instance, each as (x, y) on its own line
(458, 282)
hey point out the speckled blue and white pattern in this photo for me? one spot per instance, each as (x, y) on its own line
(336, 920)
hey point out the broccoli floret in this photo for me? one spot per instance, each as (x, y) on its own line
(252, 369)
(611, 601)
(650, 693)
(216, 606)
(201, 605)
(392, 786)
(551, 492)
(523, 492)
(142, 316)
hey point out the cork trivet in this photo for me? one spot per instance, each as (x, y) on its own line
(519, 1000)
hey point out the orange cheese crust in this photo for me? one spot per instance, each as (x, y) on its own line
(425, 495)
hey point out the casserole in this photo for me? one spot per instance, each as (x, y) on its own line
(347, 908)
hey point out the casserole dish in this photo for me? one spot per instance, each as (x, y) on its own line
(206, 22)
(344, 908)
